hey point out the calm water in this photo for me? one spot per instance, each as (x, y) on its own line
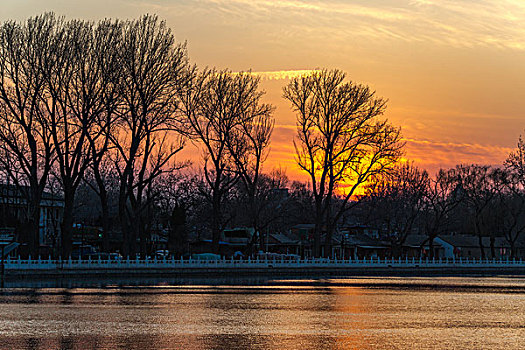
(364, 313)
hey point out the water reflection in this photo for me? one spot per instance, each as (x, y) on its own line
(466, 313)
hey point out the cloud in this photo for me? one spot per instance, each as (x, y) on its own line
(468, 23)
(284, 74)
(432, 155)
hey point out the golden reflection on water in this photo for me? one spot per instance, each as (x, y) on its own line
(334, 314)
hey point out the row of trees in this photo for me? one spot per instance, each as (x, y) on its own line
(102, 109)
(478, 199)
(109, 105)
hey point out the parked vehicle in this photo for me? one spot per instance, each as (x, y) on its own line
(276, 256)
(206, 256)
(105, 256)
(162, 254)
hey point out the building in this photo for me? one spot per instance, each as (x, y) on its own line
(283, 244)
(467, 246)
(238, 239)
(13, 208)
(417, 246)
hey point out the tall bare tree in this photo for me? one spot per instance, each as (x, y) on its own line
(25, 140)
(78, 86)
(341, 142)
(224, 115)
(248, 147)
(108, 36)
(153, 67)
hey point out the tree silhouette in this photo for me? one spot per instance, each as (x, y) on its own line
(26, 144)
(225, 116)
(340, 142)
(395, 201)
(153, 67)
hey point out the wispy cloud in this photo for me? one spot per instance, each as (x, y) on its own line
(430, 154)
(284, 74)
(468, 23)
(433, 155)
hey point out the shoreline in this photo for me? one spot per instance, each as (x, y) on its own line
(304, 272)
(368, 279)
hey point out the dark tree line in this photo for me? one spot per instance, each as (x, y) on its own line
(98, 112)
(482, 200)
(108, 105)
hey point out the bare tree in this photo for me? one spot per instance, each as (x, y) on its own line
(225, 117)
(268, 211)
(511, 196)
(442, 197)
(25, 141)
(479, 186)
(396, 200)
(153, 67)
(78, 87)
(340, 142)
(516, 161)
(248, 147)
(108, 36)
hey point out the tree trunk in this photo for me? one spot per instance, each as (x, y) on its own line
(492, 246)
(328, 241)
(30, 230)
(124, 224)
(132, 238)
(34, 230)
(261, 236)
(482, 249)
(396, 249)
(318, 228)
(143, 235)
(103, 197)
(317, 241)
(67, 226)
(512, 250)
(105, 221)
(216, 223)
(431, 247)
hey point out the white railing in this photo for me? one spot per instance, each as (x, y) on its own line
(170, 263)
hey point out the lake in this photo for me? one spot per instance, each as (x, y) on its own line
(338, 313)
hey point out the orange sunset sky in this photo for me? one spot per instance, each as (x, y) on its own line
(453, 71)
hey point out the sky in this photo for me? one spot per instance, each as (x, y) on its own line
(452, 71)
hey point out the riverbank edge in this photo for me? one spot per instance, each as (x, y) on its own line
(269, 272)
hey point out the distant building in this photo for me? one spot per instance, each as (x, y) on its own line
(417, 246)
(458, 246)
(357, 241)
(238, 236)
(232, 240)
(13, 208)
(283, 244)
(370, 231)
(467, 246)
